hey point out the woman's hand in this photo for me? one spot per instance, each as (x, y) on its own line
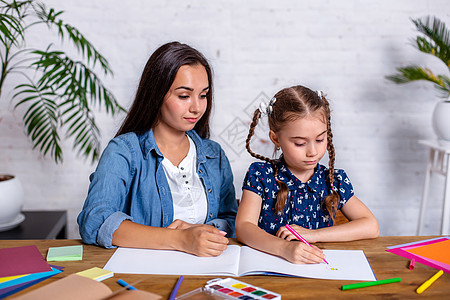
(300, 253)
(202, 240)
(307, 234)
(180, 224)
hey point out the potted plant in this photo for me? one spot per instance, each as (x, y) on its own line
(57, 91)
(434, 40)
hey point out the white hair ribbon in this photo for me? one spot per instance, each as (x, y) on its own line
(267, 109)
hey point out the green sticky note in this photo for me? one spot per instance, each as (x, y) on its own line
(65, 253)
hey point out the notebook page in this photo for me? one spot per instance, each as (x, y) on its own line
(167, 262)
(343, 265)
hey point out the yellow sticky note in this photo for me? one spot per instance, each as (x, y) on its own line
(96, 273)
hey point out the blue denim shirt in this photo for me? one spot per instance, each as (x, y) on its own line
(130, 184)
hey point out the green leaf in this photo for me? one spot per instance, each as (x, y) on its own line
(41, 119)
(437, 41)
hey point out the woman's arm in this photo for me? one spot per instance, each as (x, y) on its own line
(249, 233)
(200, 240)
(362, 225)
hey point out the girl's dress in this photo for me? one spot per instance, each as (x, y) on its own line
(304, 203)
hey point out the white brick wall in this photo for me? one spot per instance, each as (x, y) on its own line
(344, 48)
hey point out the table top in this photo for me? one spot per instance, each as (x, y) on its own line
(439, 145)
(38, 225)
(384, 264)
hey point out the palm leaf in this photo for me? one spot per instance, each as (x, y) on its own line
(437, 41)
(74, 79)
(81, 43)
(41, 119)
(81, 125)
(11, 29)
(414, 73)
(82, 90)
(65, 91)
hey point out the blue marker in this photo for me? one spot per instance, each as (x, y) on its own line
(124, 284)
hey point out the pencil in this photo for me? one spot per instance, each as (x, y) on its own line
(369, 283)
(429, 282)
(300, 237)
(176, 287)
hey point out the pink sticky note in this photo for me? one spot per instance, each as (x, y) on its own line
(22, 260)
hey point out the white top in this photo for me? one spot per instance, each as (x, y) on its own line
(188, 193)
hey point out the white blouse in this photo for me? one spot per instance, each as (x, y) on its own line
(188, 193)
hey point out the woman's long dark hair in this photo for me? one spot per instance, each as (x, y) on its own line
(157, 78)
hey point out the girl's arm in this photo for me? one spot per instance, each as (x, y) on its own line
(248, 232)
(362, 225)
(200, 240)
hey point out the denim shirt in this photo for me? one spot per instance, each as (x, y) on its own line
(130, 184)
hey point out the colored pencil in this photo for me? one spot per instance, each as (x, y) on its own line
(429, 282)
(300, 237)
(176, 287)
(124, 284)
(369, 283)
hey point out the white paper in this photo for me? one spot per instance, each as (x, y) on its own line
(239, 261)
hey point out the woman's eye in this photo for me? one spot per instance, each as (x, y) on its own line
(183, 97)
(204, 96)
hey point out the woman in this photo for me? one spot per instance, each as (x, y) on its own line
(161, 183)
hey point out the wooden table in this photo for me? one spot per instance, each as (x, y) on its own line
(385, 265)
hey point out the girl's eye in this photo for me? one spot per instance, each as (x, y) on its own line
(320, 141)
(299, 145)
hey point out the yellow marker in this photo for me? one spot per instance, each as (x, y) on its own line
(429, 282)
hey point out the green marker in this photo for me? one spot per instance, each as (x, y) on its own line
(369, 283)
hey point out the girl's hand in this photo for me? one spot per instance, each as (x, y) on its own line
(300, 253)
(203, 240)
(307, 234)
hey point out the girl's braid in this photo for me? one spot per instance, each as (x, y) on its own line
(331, 201)
(283, 188)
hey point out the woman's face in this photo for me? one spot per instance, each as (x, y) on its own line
(186, 101)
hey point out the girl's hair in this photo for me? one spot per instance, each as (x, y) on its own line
(157, 77)
(291, 104)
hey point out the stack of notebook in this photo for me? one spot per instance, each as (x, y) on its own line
(22, 267)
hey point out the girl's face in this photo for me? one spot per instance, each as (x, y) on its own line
(185, 102)
(304, 143)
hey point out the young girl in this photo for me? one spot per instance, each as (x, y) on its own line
(296, 189)
(161, 183)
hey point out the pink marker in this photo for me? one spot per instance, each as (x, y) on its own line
(299, 237)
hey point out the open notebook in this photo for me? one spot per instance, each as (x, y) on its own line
(239, 261)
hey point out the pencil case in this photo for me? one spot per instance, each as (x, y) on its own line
(229, 288)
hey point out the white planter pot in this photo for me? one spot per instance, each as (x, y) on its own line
(441, 120)
(11, 201)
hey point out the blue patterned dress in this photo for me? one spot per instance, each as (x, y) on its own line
(304, 204)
